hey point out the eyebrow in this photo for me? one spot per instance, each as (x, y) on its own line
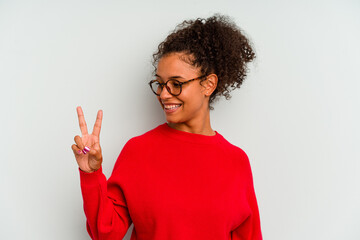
(171, 77)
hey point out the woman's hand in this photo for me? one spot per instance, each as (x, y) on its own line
(88, 161)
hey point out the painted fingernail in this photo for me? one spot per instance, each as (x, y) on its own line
(84, 151)
(79, 151)
(87, 149)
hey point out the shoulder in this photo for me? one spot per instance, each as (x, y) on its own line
(142, 143)
(237, 155)
(233, 149)
(137, 147)
(151, 136)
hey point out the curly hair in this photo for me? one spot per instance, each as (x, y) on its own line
(216, 45)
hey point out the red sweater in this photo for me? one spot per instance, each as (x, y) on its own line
(174, 185)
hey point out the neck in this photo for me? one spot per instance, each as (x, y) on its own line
(199, 126)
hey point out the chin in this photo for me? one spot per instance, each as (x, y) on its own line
(173, 120)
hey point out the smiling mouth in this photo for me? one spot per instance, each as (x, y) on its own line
(170, 107)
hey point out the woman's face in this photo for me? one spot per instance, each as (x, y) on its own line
(192, 104)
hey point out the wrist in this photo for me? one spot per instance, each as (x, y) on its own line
(88, 170)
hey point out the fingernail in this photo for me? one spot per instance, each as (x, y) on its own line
(79, 151)
(84, 151)
(87, 149)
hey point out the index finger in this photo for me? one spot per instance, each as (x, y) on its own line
(97, 125)
(82, 122)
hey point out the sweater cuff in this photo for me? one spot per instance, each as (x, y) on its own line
(91, 179)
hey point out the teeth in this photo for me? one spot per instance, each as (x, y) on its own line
(171, 106)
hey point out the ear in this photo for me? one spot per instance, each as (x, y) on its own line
(210, 84)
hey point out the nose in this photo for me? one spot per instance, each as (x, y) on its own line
(165, 93)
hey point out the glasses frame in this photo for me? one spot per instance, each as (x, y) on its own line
(168, 88)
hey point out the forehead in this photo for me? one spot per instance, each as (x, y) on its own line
(176, 64)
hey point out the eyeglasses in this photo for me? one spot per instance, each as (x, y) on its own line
(174, 87)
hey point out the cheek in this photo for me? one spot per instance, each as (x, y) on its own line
(192, 101)
(159, 100)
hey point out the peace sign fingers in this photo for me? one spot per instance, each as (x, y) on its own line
(97, 125)
(82, 122)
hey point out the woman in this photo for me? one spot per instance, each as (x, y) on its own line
(182, 179)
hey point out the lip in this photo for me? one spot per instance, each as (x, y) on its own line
(171, 110)
(166, 103)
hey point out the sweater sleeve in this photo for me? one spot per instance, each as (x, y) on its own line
(105, 207)
(250, 229)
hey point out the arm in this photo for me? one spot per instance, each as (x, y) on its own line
(107, 218)
(104, 203)
(250, 229)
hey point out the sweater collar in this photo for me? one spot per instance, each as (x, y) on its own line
(188, 137)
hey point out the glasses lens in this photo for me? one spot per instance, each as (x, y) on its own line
(175, 87)
(156, 87)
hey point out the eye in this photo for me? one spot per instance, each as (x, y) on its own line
(175, 84)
